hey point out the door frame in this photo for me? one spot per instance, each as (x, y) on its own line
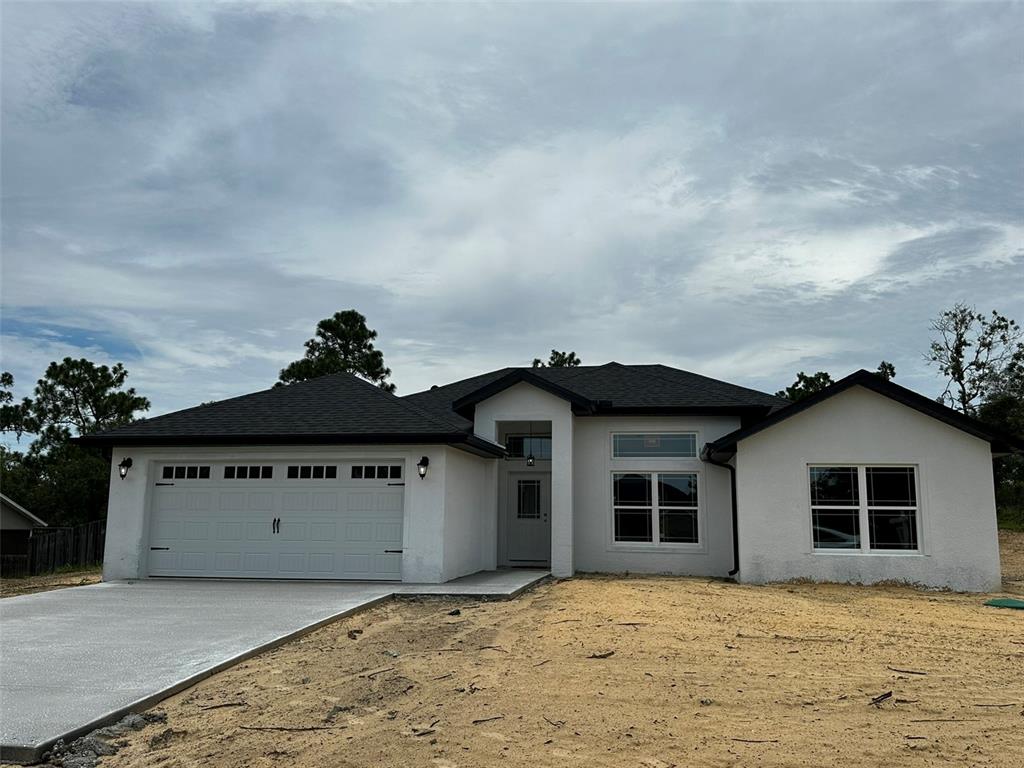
(506, 508)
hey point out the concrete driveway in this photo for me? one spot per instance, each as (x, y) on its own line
(74, 659)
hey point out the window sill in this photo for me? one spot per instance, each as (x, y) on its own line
(868, 553)
(690, 549)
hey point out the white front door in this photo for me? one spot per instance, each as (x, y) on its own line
(278, 519)
(528, 516)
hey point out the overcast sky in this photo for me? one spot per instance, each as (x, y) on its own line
(740, 190)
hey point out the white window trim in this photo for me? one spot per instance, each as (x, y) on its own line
(865, 549)
(698, 546)
(694, 432)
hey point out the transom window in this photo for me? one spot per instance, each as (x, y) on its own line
(313, 472)
(851, 503)
(185, 472)
(377, 472)
(246, 472)
(521, 446)
(655, 508)
(654, 445)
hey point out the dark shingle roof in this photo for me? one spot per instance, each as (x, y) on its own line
(725, 447)
(612, 388)
(337, 409)
(344, 409)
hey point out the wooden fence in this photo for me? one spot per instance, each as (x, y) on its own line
(52, 548)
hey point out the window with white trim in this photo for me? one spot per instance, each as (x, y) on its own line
(654, 508)
(654, 445)
(864, 508)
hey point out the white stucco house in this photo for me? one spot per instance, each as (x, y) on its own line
(612, 468)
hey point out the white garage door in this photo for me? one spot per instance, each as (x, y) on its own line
(278, 520)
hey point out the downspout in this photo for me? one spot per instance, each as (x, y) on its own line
(706, 456)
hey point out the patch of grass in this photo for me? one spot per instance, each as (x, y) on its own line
(1010, 518)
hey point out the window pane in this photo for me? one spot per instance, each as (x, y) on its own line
(254, 473)
(305, 471)
(834, 486)
(519, 446)
(293, 473)
(396, 471)
(891, 487)
(528, 492)
(357, 471)
(369, 473)
(168, 473)
(331, 472)
(677, 490)
(191, 472)
(633, 525)
(242, 473)
(681, 445)
(179, 473)
(836, 528)
(678, 526)
(632, 490)
(318, 472)
(893, 529)
(229, 473)
(382, 473)
(204, 473)
(268, 473)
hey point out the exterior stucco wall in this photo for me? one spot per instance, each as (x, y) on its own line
(593, 465)
(959, 545)
(127, 542)
(469, 514)
(524, 402)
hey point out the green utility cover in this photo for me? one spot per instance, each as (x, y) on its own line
(1006, 602)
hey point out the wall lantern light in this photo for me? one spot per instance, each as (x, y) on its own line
(124, 466)
(421, 467)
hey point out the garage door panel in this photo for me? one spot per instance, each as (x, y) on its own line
(329, 528)
(229, 531)
(232, 502)
(323, 531)
(324, 502)
(195, 530)
(389, 533)
(294, 501)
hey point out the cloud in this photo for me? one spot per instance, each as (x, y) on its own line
(744, 190)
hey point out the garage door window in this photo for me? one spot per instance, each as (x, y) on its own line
(246, 472)
(377, 472)
(185, 472)
(313, 472)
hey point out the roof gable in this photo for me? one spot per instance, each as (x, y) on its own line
(17, 508)
(725, 446)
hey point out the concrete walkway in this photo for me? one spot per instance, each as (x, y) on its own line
(74, 659)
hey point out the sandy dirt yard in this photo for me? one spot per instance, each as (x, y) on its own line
(605, 671)
(30, 584)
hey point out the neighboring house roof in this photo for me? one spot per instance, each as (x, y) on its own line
(725, 447)
(12, 504)
(607, 389)
(338, 409)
